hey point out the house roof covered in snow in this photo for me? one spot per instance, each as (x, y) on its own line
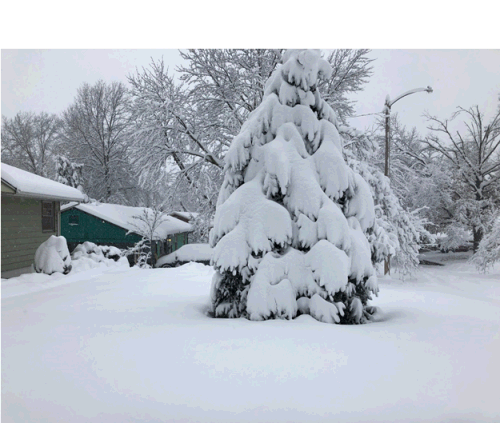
(127, 218)
(27, 184)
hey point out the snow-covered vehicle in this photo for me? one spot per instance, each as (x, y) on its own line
(200, 253)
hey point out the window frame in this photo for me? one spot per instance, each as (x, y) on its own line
(53, 216)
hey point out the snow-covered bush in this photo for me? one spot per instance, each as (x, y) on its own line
(141, 251)
(53, 256)
(89, 255)
(290, 230)
(87, 248)
(201, 253)
(111, 252)
(96, 252)
(488, 252)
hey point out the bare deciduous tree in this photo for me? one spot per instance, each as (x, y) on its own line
(95, 133)
(146, 225)
(28, 139)
(351, 70)
(474, 157)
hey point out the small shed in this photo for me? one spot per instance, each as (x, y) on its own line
(30, 215)
(117, 225)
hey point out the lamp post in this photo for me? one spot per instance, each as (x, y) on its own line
(387, 112)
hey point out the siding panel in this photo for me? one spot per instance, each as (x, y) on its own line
(21, 231)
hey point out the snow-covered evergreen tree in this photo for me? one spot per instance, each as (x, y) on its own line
(290, 230)
(488, 252)
(69, 173)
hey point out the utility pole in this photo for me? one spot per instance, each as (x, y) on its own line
(387, 112)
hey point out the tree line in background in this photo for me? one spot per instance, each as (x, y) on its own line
(161, 140)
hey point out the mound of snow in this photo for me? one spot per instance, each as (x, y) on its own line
(53, 256)
(92, 261)
(187, 253)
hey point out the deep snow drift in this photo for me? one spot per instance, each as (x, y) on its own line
(116, 344)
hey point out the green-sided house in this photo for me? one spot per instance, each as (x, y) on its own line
(30, 215)
(117, 225)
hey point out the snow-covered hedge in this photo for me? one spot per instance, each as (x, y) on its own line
(89, 248)
(53, 256)
(201, 253)
(89, 255)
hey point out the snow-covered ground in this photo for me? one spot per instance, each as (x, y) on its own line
(120, 345)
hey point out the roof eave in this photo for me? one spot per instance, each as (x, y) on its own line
(12, 187)
(45, 197)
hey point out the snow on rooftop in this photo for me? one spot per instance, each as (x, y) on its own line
(30, 185)
(123, 216)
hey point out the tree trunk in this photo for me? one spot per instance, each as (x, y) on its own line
(153, 253)
(478, 235)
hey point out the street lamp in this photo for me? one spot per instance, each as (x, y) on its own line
(387, 111)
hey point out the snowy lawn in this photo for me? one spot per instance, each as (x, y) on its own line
(120, 345)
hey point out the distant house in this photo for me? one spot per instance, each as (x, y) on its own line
(30, 215)
(113, 224)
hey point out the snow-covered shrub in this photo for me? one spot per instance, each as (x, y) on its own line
(141, 252)
(89, 255)
(53, 256)
(488, 252)
(89, 250)
(84, 263)
(290, 230)
(86, 248)
(96, 252)
(111, 252)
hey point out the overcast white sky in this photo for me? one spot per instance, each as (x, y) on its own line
(47, 80)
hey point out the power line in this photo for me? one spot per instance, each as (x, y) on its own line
(367, 114)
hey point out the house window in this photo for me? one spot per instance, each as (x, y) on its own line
(48, 216)
(74, 220)
(168, 246)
